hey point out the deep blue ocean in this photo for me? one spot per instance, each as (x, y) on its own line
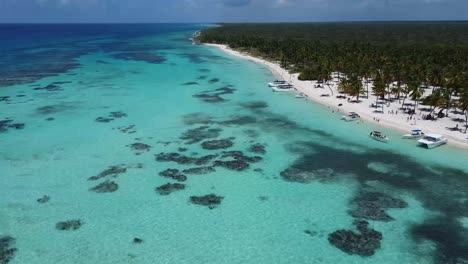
(129, 144)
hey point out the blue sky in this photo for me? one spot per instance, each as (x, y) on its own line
(229, 10)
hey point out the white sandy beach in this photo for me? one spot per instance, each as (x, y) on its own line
(398, 120)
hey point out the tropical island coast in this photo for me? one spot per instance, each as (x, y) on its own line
(433, 104)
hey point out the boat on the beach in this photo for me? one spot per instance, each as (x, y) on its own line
(415, 133)
(276, 83)
(301, 95)
(352, 116)
(283, 88)
(377, 135)
(432, 140)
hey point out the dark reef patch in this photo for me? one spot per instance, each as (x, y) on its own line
(199, 170)
(174, 174)
(364, 243)
(50, 119)
(127, 129)
(139, 148)
(112, 171)
(69, 225)
(5, 99)
(214, 96)
(255, 105)
(204, 70)
(140, 56)
(103, 119)
(258, 148)
(43, 199)
(190, 83)
(293, 174)
(117, 114)
(105, 187)
(137, 240)
(239, 155)
(169, 188)
(210, 200)
(49, 88)
(214, 80)
(449, 237)
(203, 77)
(217, 144)
(199, 134)
(184, 160)
(373, 206)
(7, 251)
(236, 165)
(53, 109)
(6, 124)
(238, 121)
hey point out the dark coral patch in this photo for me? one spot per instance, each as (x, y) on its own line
(117, 114)
(169, 188)
(364, 243)
(236, 165)
(7, 251)
(190, 83)
(210, 200)
(217, 144)
(214, 96)
(105, 187)
(185, 160)
(294, 174)
(255, 105)
(137, 240)
(214, 80)
(69, 225)
(257, 148)
(49, 88)
(52, 109)
(112, 171)
(373, 206)
(6, 124)
(140, 148)
(199, 170)
(204, 70)
(140, 56)
(199, 134)
(174, 174)
(43, 199)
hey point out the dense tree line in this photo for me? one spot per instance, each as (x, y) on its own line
(399, 58)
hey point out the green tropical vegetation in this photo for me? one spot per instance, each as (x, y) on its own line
(401, 60)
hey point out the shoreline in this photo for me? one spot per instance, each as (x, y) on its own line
(392, 121)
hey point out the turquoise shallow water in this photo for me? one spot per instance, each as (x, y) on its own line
(264, 217)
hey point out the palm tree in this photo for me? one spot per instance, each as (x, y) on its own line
(463, 104)
(416, 93)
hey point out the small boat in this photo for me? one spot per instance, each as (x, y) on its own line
(301, 95)
(352, 116)
(432, 140)
(377, 135)
(415, 133)
(283, 88)
(276, 83)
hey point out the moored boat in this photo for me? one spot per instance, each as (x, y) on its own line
(432, 140)
(301, 95)
(352, 116)
(377, 135)
(276, 83)
(283, 88)
(415, 133)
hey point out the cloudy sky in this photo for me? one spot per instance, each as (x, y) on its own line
(229, 10)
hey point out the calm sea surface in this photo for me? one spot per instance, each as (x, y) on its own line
(93, 116)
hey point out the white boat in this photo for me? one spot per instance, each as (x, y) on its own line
(415, 133)
(377, 135)
(352, 116)
(301, 95)
(432, 140)
(276, 83)
(283, 88)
